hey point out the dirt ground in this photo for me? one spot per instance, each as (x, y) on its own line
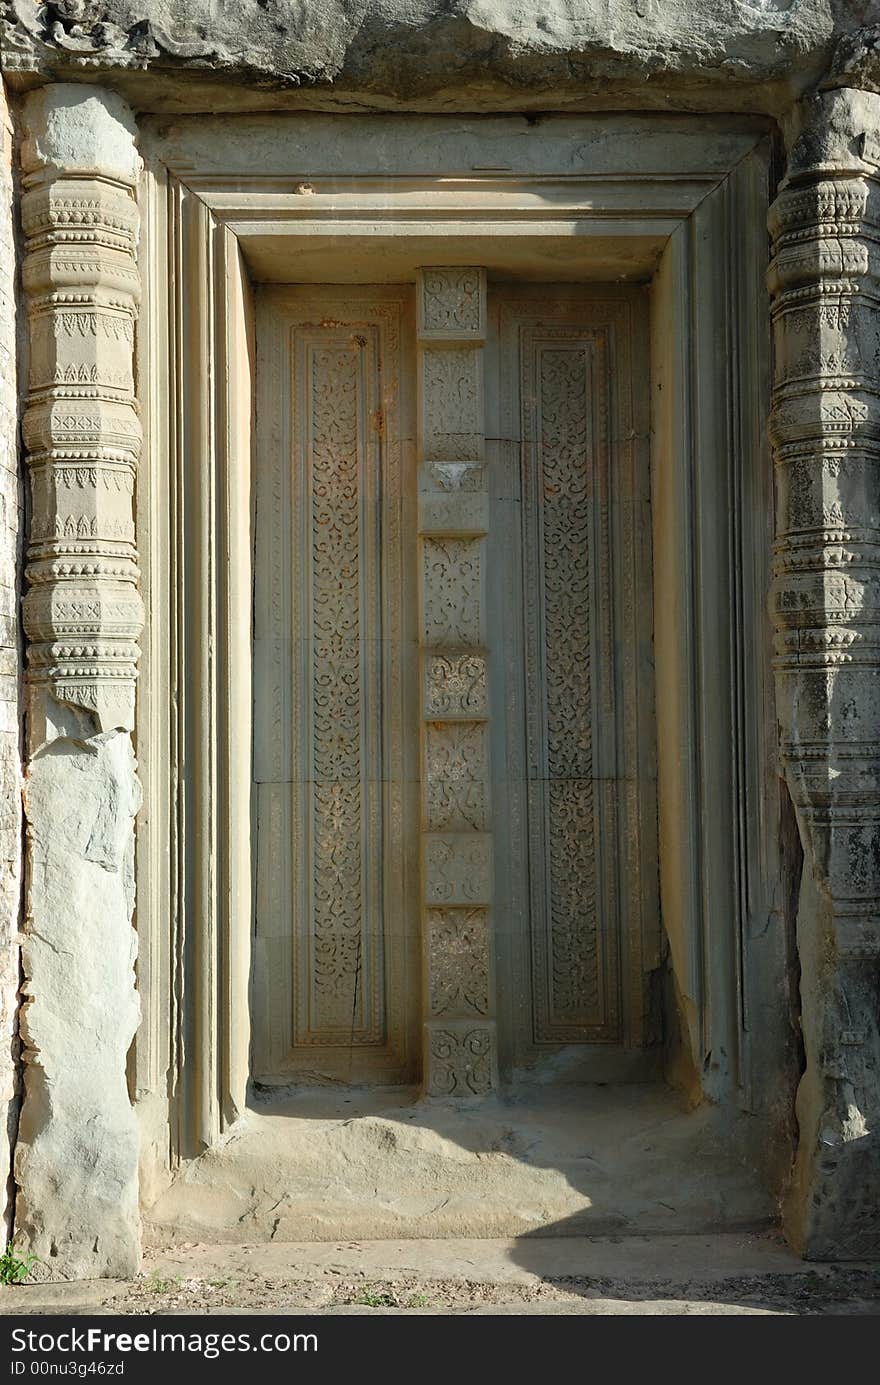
(724, 1274)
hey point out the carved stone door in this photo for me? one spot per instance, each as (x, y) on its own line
(577, 915)
(336, 986)
(343, 820)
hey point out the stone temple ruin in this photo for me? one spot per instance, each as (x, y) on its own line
(439, 553)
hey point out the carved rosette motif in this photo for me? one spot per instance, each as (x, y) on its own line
(82, 612)
(453, 518)
(825, 429)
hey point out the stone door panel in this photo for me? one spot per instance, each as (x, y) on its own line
(336, 989)
(577, 912)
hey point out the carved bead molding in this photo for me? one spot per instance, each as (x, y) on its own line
(82, 612)
(825, 430)
(460, 1054)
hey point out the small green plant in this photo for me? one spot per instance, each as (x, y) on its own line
(369, 1299)
(384, 1298)
(157, 1285)
(14, 1269)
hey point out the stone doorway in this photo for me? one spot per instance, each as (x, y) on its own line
(557, 769)
(560, 227)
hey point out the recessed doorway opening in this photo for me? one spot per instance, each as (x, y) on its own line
(557, 762)
(622, 559)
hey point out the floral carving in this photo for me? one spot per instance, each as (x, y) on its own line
(457, 775)
(335, 677)
(452, 405)
(329, 681)
(452, 591)
(458, 961)
(559, 521)
(458, 869)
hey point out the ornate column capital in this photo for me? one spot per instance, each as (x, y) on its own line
(82, 612)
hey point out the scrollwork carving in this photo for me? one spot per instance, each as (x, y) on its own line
(452, 405)
(452, 302)
(457, 775)
(453, 591)
(560, 525)
(455, 685)
(461, 1062)
(458, 868)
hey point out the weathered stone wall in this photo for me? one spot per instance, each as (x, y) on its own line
(10, 758)
(436, 54)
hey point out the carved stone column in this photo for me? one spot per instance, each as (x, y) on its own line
(825, 428)
(460, 1045)
(77, 1154)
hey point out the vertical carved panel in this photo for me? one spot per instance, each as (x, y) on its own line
(330, 687)
(460, 1060)
(341, 961)
(578, 887)
(559, 518)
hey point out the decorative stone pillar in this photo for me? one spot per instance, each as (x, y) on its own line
(460, 1044)
(77, 1153)
(825, 428)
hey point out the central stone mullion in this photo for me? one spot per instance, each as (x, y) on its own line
(460, 1057)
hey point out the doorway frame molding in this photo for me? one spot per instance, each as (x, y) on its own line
(682, 202)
